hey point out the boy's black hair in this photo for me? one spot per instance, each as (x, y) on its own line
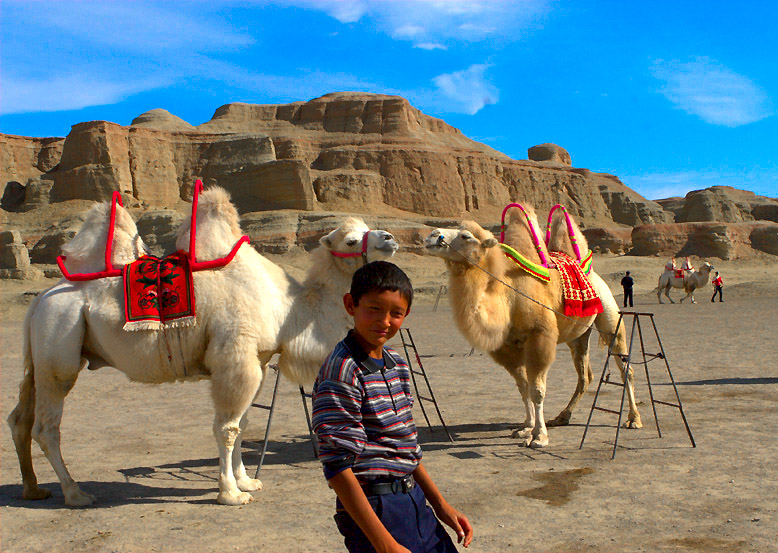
(627, 272)
(380, 276)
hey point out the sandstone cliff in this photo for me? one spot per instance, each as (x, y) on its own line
(353, 152)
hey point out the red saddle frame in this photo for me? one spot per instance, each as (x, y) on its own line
(195, 265)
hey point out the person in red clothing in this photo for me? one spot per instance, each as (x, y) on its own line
(718, 284)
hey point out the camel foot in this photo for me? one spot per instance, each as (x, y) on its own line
(78, 498)
(539, 442)
(562, 419)
(633, 423)
(234, 498)
(36, 493)
(249, 485)
(522, 433)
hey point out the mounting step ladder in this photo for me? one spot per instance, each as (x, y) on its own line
(628, 362)
(271, 408)
(407, 342)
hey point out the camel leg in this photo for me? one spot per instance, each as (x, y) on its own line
(539, 352)
(233, 388)
(21, 422)
(628, 378)
(579, 349)
(244, 481)
(524, 431)
(51, 389)
(667, 293)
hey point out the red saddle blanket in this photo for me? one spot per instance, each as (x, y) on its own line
(158, 292)
(581, 300)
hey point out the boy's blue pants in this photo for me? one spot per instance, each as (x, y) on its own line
(408, 519)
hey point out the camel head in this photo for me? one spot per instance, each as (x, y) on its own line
(85, 253)
(706, 268)
(345, 243)
(470, 242)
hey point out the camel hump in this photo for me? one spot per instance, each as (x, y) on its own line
(89, 243)
(563, 234)
(217, 225)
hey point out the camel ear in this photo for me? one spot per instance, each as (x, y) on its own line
(489, 243)
(326, 241)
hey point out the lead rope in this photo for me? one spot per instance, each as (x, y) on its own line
(441, 240)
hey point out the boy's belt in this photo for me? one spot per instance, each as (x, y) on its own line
(401, 485)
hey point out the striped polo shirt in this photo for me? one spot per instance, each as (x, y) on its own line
(362, 414)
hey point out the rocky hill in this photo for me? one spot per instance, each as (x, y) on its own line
(292, 167)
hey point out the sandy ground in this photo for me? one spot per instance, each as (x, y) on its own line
(149, 456)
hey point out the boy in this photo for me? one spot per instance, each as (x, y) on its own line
(365, 430)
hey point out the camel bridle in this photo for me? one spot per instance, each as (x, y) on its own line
(362, 253)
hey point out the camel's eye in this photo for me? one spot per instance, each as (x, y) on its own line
(351, 242)
(467, 236)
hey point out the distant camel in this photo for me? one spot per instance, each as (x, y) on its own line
(519, 334)
(689, 282)
(247, 311)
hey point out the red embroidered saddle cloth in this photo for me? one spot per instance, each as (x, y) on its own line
(581, 300)
(158, 292)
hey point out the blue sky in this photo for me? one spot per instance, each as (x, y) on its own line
(670, 96)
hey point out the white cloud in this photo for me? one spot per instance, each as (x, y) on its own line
(435, 21)
(430, 46)
(131, 26)
(712, 92)
(69, 92)
(467, 91)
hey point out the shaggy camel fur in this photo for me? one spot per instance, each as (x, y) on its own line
(246, 312)
(518, 334)
(690, 282)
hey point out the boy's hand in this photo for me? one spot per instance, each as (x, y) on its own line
(393, 547)
(458, 521)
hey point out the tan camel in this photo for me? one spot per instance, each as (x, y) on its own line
(246, 311)
(690, 282)
(519, 334)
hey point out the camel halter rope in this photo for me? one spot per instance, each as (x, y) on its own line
(442, 242)
(362, 254)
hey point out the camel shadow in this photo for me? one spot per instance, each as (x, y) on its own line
(729, 381)
(108, 494)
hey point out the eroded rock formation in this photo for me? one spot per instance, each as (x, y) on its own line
(344, 151)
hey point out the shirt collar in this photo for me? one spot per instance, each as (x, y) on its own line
(367, 363)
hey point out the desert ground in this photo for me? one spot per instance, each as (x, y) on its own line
(149, 456)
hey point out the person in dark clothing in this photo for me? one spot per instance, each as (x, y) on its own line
(718, 284)
(627, 283)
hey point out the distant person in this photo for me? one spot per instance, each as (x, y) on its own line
(687, 265)
(627, 284)
(718, 284)
(670, 265)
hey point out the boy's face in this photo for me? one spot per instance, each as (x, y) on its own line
(377, 318)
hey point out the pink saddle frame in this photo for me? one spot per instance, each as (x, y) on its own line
(570, 232)
(535, 239)
(110, 271)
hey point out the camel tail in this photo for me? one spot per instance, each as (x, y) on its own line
(22, 417)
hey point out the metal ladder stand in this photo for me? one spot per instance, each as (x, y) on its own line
(627, 361)
(271, 408)
(407, 341)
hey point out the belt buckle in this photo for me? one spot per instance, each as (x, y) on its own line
(407, 484)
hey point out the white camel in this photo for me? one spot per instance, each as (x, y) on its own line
(690, 282)
(518, 333)
(247, 311)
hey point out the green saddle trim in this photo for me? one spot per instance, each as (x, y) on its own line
(538, 271)
(586, 264)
